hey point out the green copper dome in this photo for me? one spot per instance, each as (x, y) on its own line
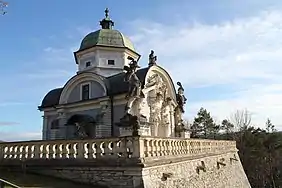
(106, 37)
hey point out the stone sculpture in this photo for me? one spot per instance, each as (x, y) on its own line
(152, 59)
(179, 110)
(132, 79)
(181, 99)
(134, 93)
(80, 130)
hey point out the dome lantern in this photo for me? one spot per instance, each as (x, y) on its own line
(107, 23)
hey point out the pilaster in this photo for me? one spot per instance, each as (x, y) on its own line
(45, 127)
(103, 126)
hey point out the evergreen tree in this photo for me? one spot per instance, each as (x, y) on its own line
(203, 125)
(228, 128)
(269, 126)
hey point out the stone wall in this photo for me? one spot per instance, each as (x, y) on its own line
(182, 174)
(111, 177)
(185, 175)
(135, 162)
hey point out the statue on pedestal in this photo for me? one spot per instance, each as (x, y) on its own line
(152, 59)
(181, 99)
(131, 117)
(134, 87)
(179, 110)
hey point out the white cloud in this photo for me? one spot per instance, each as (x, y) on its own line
(8, 123)
(19, 136)
(244, 55)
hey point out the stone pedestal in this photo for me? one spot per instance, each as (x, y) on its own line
(185, 134)
(133, 126)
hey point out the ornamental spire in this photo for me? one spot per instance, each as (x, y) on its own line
(107, 13)
(107, 23)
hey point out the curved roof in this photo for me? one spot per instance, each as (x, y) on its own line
(51, 98)
(115, 85)
(106, 37)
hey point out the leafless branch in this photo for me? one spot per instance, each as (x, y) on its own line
(241, 119)
(3, 6)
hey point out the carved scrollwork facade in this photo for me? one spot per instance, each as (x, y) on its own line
(156, 107)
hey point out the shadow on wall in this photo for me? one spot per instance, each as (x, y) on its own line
(35, 180)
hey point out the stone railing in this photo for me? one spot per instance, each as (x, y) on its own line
(177, 147)
(145, 148)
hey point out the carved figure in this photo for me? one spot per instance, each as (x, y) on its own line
(132, 79)
(81, 132)
(152, 59)
(181, 99)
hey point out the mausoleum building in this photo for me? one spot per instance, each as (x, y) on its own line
(110, 95)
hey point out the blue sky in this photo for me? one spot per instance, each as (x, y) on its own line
(226, 53)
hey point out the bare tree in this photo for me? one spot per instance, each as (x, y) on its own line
(241, 119)
(3, 6)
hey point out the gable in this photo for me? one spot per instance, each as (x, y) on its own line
(72, 91)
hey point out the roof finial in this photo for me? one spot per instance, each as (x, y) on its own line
(107, 12)
(107, 23)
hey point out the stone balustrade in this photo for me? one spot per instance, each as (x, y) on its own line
(142, 147)
(179, 147)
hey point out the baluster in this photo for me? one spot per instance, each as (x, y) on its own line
(186, 147)
(56, 149)
(130, 147)
(158, 148)
(16, 148)
(115, 149)
(154, 148)
(94, 147)
(64, 151)
(150, 148)
(112, 148)
(99, 149)
(31, 151)
(11, 152)
(146, 147)
(51, 151)
(36, 151)
(80, 150)
(107, 150)
(24, 151)
(123, 147)
(90, 149)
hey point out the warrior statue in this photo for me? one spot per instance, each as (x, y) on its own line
(152, 59)
(134, 89)
(181, 99)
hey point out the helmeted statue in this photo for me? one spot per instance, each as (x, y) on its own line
(181, 99)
